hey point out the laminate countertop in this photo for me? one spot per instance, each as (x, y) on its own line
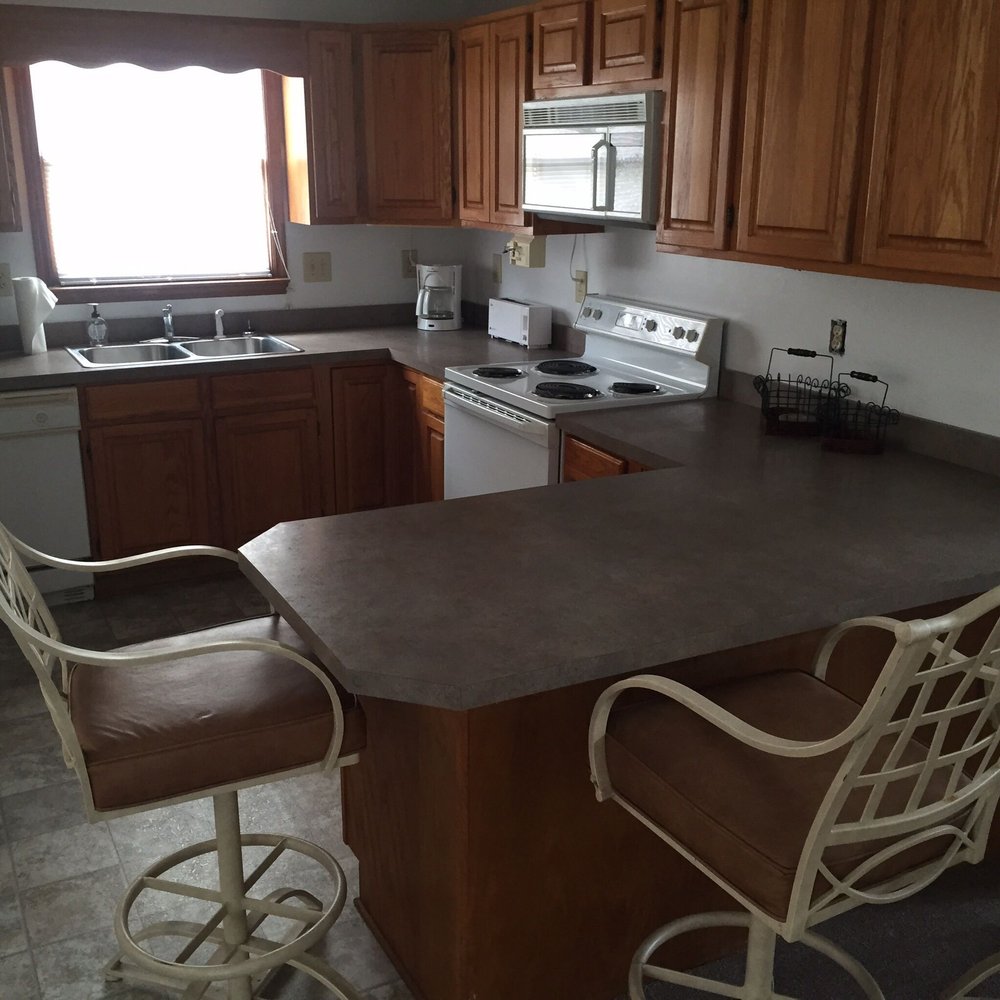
(735, 538)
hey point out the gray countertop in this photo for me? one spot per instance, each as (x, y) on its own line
(738, 538)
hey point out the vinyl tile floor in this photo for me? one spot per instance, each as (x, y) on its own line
(61, 877)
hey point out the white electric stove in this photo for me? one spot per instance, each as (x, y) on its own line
(500, 431)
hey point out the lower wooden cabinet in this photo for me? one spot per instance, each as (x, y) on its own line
(423, 437)
(584, 461)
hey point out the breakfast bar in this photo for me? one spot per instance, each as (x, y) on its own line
(478, 633)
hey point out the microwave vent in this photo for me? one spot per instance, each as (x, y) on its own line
(588, 111)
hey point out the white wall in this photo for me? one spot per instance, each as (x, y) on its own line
(938, 347)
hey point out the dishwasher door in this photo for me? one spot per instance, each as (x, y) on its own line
(42, 499)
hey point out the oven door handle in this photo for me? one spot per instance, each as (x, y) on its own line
(542, 431)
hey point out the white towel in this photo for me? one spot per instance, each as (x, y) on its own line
(34, 303)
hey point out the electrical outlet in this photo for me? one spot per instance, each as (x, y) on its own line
(838, 336)
(316, 266)
(497, 268)
(408, 263)
(528, 251)
(6, 288)
(580, 282)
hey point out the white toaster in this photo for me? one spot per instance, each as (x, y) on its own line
(524, 323)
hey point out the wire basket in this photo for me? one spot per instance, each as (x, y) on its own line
(856, 425)
(798, 405)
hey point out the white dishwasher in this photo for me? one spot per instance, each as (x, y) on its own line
(42, 499)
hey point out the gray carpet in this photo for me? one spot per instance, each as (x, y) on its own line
(914, 949)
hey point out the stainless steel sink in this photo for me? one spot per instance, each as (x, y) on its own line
(231, 347)
(134, 355)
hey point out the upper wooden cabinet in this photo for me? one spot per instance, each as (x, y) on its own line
(627, 42)
(934, 191)
(561, 37)
(805, 85)
(331, 112)
(10, 209)
(407, 115)
(700, 64)
(492, 83)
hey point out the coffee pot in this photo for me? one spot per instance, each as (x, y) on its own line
(439, 300)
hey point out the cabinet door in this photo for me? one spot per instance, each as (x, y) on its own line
(474, 123)
(934, 190)
(508, 85)
(150, 486)
(365, 438)
(269, 471)
(805, 87)
(701, 58)
(333, 168)
(626, 40)
(10, 209)
(431, 456)
(560, 46)
(407, 100)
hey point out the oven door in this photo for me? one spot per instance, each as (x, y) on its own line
(490, 447)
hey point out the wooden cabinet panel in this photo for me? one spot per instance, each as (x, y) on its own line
(407, 103)
(269, 470)
(805, 88)
(508, 89)
(331, 109)
(473, 123)
(177, 397)
(700, 65)
(560, 46)
(423, 437)
(10, 206)
(584, 461)
(626, 40)
(432, 455)
(256, 389)
(934, 190)
(365, 437)
(150, 486)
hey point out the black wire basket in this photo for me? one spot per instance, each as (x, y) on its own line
(856, 425)
(797, 404)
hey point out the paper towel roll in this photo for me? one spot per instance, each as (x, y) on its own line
(34, 303)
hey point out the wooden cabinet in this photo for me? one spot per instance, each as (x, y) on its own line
(365, 415)
(626, 40)
(423, 436)
(407, 113)
(561, 44)
(146, 454)
(584, 461)
(10, 207)
(492, 83)
(933, 199)
(805, 85)
(700, 66)
(331, 133)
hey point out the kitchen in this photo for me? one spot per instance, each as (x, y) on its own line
(894, 328)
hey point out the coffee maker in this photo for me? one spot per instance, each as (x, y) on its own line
(439, 300)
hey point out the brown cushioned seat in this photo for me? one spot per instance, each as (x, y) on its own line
(744, 812)
(172, 728)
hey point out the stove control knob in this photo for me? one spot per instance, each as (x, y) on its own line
(692, 336)
(651, 325)
(678, 332)
(598, 313)
(587, 310)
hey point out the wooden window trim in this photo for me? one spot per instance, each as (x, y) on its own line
(277, 192)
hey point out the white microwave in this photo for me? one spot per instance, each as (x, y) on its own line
(593, 157)
(524, 323)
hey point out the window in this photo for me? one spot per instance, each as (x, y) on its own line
(157, 182)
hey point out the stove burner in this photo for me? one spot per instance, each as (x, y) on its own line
(634, 388)
(565, 390)
(566, 367)
(497, 371)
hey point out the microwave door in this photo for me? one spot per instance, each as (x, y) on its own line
(559, 170)
(630, 199)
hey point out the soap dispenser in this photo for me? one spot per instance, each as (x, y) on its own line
(97, 328)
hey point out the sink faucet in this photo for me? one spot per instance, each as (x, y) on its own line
(168, 322)
(219, 332)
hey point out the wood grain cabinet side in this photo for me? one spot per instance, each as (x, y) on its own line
(627, 43)
(585, 461)
(933, 197)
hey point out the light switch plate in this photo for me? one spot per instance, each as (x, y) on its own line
(316, 266)
(6, 288)
(580, 283)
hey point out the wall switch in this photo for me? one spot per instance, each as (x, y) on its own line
(528, 251)
(580, 283)
(6, 288)
(838, 336)
(408, 263)
(316, 266)
(497, 268)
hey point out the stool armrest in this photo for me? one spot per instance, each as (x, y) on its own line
(108, 565)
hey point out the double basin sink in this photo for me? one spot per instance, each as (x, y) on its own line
(133, 355)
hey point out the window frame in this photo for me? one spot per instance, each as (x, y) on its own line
(276, 178)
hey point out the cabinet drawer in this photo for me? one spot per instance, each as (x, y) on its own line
(239, 392)
(177, 397)
(584, 461)
(430, 395)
